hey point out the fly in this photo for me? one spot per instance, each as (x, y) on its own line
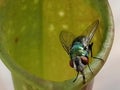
(78, 48)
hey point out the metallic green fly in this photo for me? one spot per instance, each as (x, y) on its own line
(78, 48)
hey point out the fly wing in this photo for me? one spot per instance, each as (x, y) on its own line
(66, 39)
(90, 31)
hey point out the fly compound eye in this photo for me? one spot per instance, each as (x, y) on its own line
(84, 60)
(71, 63)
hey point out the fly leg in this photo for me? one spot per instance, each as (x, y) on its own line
(82, 72)
(77, 68)
(76, 77)
(82, 75)
(90, 68)
(90, 48)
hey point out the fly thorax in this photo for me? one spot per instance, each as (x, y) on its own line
(78, 50)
